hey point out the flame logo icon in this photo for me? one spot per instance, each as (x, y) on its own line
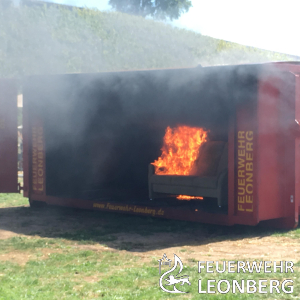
(174, 280)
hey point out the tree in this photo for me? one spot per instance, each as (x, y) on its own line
(158, 9)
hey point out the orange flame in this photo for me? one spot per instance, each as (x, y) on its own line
(180, 150)
(185, 197)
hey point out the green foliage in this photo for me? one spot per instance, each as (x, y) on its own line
(47, 40)
(159, 9)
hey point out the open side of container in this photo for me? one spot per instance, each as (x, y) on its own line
(262, 136)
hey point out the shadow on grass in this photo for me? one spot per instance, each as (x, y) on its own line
(121, 231)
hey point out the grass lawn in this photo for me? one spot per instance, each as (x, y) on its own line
(84, 263)
(12, 200)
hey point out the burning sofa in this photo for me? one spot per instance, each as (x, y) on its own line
(209, 177)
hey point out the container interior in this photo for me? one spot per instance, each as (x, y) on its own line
(103, 130)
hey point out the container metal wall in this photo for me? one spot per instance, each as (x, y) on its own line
(8, 137)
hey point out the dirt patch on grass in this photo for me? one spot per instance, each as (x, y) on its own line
(92, 278)
(22, 257)
(6, 234)
(108, 232)
(266, 248)
(96, 247)
(18, 257)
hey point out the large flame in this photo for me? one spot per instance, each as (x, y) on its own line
(180, 150)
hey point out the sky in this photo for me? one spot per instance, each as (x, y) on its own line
(267, 24)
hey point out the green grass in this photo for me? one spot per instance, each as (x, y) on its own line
(30, 244)
(12, 200)
(110, 275)
(294, 234)
(71, 262)
(90, 236)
